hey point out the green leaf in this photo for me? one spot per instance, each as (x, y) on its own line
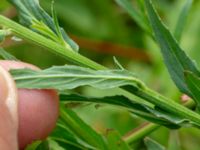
(152, 145)
(63, 136)
(175, 58)
(70, 77)
(33, 16)
(6, 55)
(182, 19)
(193, 83)
(136, 15)
(115, 142)
(81, 129)
(152, 114)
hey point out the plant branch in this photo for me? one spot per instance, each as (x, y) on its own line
(38, 39)
(147, 94)
(140, 132)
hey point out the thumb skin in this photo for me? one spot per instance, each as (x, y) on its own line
(8, 112)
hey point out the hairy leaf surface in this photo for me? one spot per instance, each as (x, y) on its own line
(69, 77)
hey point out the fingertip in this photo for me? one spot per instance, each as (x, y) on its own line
(8, 112)
(8, 94)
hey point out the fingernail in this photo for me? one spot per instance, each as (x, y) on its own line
(8, 94)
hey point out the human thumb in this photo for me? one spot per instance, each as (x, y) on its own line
(8, 112)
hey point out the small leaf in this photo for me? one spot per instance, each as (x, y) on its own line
(175, 58)
(115, 142)
(6, 55)
(182, 19)
(34, 17)
(152, 145)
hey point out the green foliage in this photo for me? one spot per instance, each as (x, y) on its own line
(71, 131)
(33, 16)
(175, 58)
(70, 77)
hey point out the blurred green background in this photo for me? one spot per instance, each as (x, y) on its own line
(103, 30)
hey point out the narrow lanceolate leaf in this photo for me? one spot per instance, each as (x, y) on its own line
(76, 125)
(63, 136)
(33, 16)
(182, 20)
(151, 114)
(193, 83)
(136, 15)
(175, 58)
(152, 145)
(5, 55)
(69, 77)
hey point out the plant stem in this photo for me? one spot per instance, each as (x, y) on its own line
(38, 39)
(166, 104)
(140, 132)
(147, 94)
